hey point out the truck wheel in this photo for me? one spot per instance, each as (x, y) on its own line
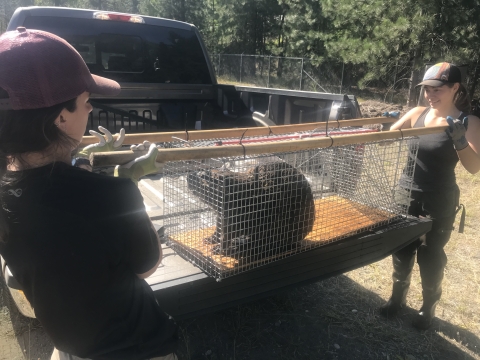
(23, 305)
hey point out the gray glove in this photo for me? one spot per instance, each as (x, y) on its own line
(456, 131)
(105, 143)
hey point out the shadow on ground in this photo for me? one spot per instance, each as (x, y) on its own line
(332, 319)
(20, 337)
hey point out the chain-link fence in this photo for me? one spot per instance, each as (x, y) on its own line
(278, 72)
(302, 74)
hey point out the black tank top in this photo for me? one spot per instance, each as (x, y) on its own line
(435, 163)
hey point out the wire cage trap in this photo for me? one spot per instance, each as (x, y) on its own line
(228, 215)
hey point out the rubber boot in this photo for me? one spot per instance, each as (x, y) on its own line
(403, 262)
(423, 320)
(432, 265)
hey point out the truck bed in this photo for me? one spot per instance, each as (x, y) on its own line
(184, 290)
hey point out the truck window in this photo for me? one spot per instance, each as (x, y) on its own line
(128, 52)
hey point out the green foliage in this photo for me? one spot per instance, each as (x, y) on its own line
(305, 25)
(375, 32)
(373, 38)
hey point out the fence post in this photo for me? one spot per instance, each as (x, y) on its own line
(268, 78)
(394, 81)
(219, 59)
(341, 81)
(301, 76)
(241, 62)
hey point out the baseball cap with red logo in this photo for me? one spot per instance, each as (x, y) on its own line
(39, 69)
(441, 74)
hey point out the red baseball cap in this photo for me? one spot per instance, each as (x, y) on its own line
(39, 69)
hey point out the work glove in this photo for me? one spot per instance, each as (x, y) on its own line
(456, 131)
(141, 166)
(103, 145)
(393, 114)
(140, 147)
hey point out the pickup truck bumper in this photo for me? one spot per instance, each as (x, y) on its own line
(184, 291)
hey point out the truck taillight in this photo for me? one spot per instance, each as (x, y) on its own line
(118, 17)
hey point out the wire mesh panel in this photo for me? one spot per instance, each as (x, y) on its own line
(228, 215)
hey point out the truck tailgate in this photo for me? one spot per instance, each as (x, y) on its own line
(184, 290)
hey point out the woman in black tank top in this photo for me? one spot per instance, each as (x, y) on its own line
(435, 193)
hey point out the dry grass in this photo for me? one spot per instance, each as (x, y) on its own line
(230, 81)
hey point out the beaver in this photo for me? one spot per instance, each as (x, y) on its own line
(259, 212)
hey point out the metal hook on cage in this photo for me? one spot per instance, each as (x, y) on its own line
(331, 139)
(270, 132)
(243, 146)
(401, 132)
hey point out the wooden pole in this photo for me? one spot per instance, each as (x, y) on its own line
(237, 133)
(197, 153)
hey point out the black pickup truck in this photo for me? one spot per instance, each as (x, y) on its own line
(168, 83)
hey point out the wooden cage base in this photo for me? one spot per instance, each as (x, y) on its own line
(335, 219)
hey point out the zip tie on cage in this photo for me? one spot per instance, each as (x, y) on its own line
(401, 132)
(180, 139)
(308, 134)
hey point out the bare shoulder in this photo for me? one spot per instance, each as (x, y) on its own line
(409, 119)
(417, 110)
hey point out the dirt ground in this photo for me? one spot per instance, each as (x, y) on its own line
(373, 108)
(332, 319)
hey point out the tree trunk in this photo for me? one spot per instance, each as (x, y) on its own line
(135, 6)
(473, 86)
(280, 33)
(414, 79)
(183, 11)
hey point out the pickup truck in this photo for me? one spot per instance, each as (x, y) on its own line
(168, 84)
(168, 81)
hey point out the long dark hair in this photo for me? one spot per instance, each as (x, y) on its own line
(27, 131)
(461, 98)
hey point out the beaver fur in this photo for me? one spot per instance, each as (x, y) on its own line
(260, 212)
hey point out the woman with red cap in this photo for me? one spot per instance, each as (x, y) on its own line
(80, 244)
(435, 193)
